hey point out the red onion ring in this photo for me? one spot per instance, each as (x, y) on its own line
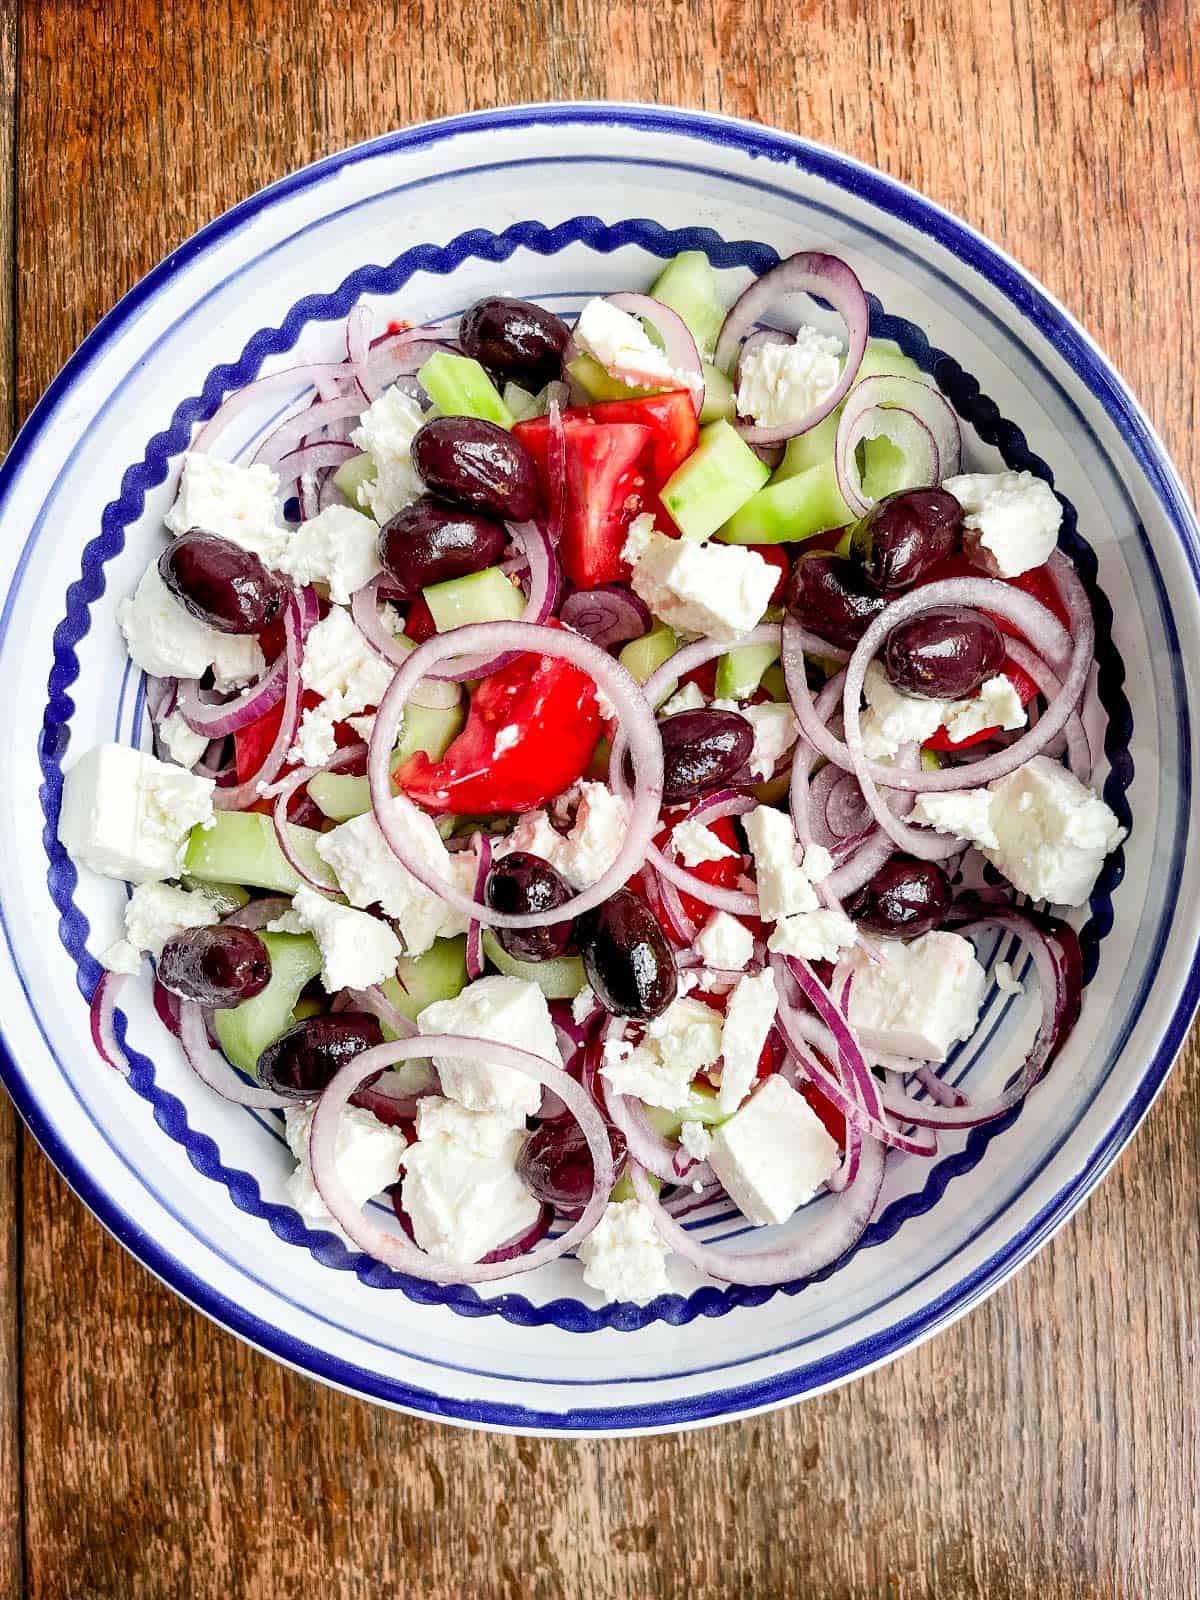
(302, 425)
(307, 375)
(645, 1144)
(483, 850)
(678, 342)
(310, 459)
(545, 587)
(813, 273)
(434, 694)
(283, 793)
(914, 415)
(102, 1018)
(219, 718)
(358, 349)
(211, 1067)
(400, 355)
(397, 1253)
(374, 1001)
(1079, 750)
(607, 615)
(242, 795)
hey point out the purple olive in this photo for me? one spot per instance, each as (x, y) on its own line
(520, 883)
(219, 966)
(626, 957)
(302, 1061)
(514, 339)
(430, 541)
(830, 596)
(701, 750)
(946, 653)
(904, 898)
(556, 1164)
(219, 582)
(477, 464)
(905, 535)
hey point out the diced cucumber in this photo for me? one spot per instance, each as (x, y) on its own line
(459, 387)
(773, 682)
(240, 847)
(245, 1031)
(884, 469)
(305, 1009)
(701, 1107)
(719, 476)
(226, 897)
(351, 476)
(487, 596)
(341, 797)
(597, 767)
(439, 974)
(884, 357)
(931, 761)
(641, 657)
(521, 403)
(560, 978)
(718, 396)
(598, 384)
(623, 1188)
(789, 509)
(689, 286)
(740, 672)
(811, 449)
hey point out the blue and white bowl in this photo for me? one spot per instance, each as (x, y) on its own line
(557, 203)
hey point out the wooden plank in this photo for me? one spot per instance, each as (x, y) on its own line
(1047, 1445)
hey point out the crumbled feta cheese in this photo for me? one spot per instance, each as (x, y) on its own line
(583, 854)
(182, 743)
(511, 1011)
(338, 547)
(584, 1004)
(724, 942)
(357, 949)
(775, 732)
(368, 873)
(688, 698)
(964, 812)
(918, 998)
(1006, 979)
(624, 1257)
(696, 1140)
(780, 383)
(367, 1156)
(157, 912)
(894, 718)
(685, 1040)
(639, 538)
(120, 957)
(818, 863)
(696, 843)
(813, 935)
(341, 667)
(997, 705)
(718, 590)
(774, 1154)
(748, 1018)
(386, 431)
(166, 641)
(236, 503)
(1012, 519)
(126, 815)
(621, 345)
(784, 887)
(461, 1189)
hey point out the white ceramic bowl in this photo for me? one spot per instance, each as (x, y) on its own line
(557, 202)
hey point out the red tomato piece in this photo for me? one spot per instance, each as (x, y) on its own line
(419, 624)
(834, 1121)
(722, 874)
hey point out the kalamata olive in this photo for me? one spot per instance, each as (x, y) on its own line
(701, 750)
(556, 1164)
(943, 654)
(830, 596)
(626, 957)
(430, 541)
(477, 464)
(521, 883)
(514, 339)
(302, 1061)
(904, 898)
(219, 582)
(906, 534)
(220, 967)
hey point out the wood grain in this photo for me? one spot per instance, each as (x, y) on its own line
(1046, 1446)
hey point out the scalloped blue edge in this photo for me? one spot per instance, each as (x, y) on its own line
(977, 409)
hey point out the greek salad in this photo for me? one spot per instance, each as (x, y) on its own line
(570, 748)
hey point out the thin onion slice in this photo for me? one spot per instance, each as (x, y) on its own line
(483, 853)
(915, 416)
(211, 1067)
(219, 718)
(103, 1021)
(243, 795)
(607, 615)
(308, 375)
(283, 793)
(545, 590)
(679, 344)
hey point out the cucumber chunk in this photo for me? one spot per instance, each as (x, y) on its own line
(776, 686)
(560, 978)
(701, 1107)
(719, 476)
(341, 797)
(718, 396)
(459, 387)
(240, 847)
(789, 509)
(439, 974)
(521, 403)
(688, 285)
(245, 1031)
(351, 475)
(486, 596)
(597, 384)
(641, 657)
(226, 897)
(740, 672)
(623, 1188)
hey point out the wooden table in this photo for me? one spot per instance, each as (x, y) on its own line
(1047, 1445)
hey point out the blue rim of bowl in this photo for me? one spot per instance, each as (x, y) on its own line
(1033, 305)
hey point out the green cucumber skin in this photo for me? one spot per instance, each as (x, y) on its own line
(740, 672)
(245, 1031)
(599, 384)
(641, 657)
(439, 974)
(688, 285)
(701, 1107)
(559, 979)
(351, 475)
(719, 476)
(459, 387)
(486, 596)
(240, 847)
(423, 728)
(790, 509)
(718, 397)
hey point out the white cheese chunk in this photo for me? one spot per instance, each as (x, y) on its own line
(894, 718)
(640, 537)
(624, 1256)
(918, 998)
(784, 886)
(166, 641)
(748, 1018)
(780, 383)
(1012, 519)
(724, 942)
(339, 547)
(126, 815)
(586, 851)
(813, 935)
(584, 1004)
(689, 698)
(367, 1157)
(996, 705)
(696, 843)
(120, 957)
(1006, 980)
(621, 345)
(157, 912)
(240, 504)
(685, 1040)
(966, 813)
(696, 1140)
(386, 431)
(774, 1154)
(718, 590)
(182, 743)
(341, 667)
(357, 949)
(511, 1011)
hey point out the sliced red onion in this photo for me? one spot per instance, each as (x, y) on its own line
(245, 794)
(219, 718)
(607, 615)
(308, 375)
(686, 1200)
(103, 1013)
(302, 425)
(942, 1094)
(556, 467)
(645, 1144)
(399, 355)
(679, 923)
(1079, 750)
(166, 1005)
(257, 913)
(311, 459)
(634, 718)
(374, 1001)
(739, 902)
(898, 409)
(813, 273)
(545, 588)
(398, 1253)
(678, 342)
(211, 1067)
(358, 349)
(434, 694)
(283, 793)
(483, 851)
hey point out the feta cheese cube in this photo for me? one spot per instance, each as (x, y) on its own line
(685, 1040)
(813, 935)
(338, 547)
(624, 1256)
(1012, 519)
(818, 863)
(774, 1154)
(461, 1189)
(966, 813)
(583, 1005)
(748, 1019)
(166, 641)
(688, 698)
(997, 705)
(586, 851)
(724, 942)
(696, 1140)
(157, 912)
(368, 873)
(240, 504)
(621, 345)
(695, 843)
(367, 1156)
(893, 718)
(357, 950)
(341, 667)
(120, 957)
(536, 835)
(719, 590)
(126, 815)
(784, 886)
(386, 431)
(919, 998)
(511, 1011)
(780, 383)
(1052, 833)
(640, 537)
(182, 744)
